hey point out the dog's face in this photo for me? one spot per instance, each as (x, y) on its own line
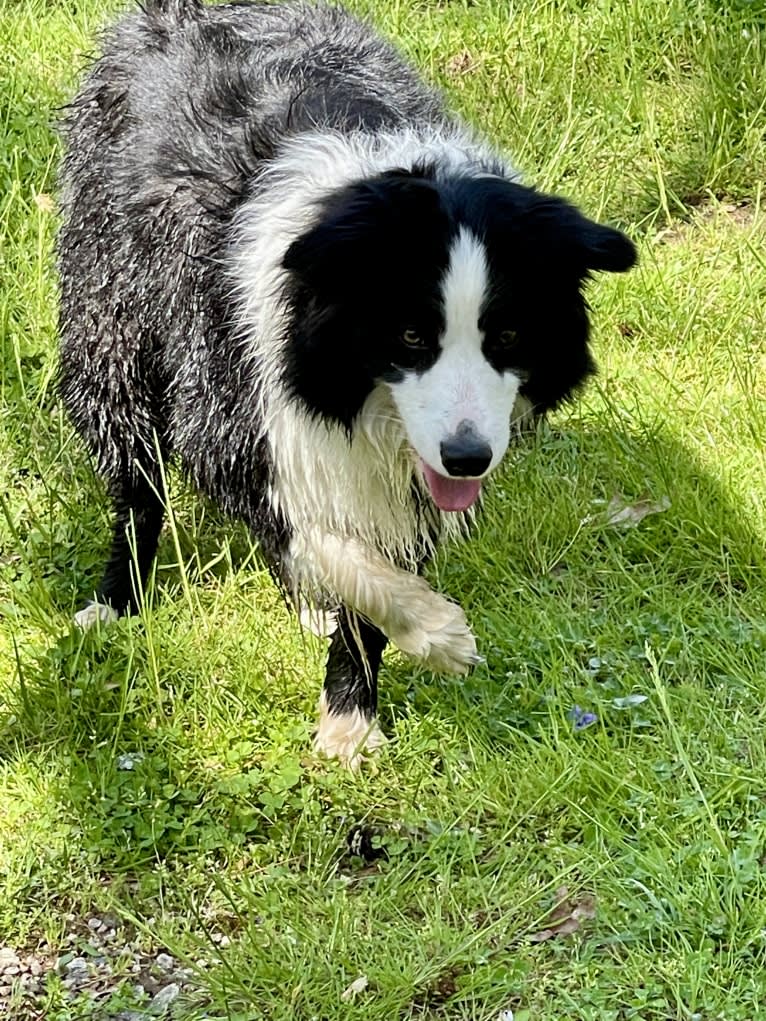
(460, 296)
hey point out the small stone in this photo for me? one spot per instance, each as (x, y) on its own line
(76, 972)
(5, 991)
(11, 969)
(163, 999)
(35, 967)
(165, 962)
(7, 956)
(94, 924)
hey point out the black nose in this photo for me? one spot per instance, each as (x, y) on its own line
(466, 453)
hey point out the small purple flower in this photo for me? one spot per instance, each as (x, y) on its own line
(581, 718)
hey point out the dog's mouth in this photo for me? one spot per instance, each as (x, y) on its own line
(450, 494)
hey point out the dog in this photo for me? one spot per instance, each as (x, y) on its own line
(286, 265)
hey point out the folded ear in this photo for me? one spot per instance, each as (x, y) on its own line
(589, 245)
(605, 248)
(363, 227)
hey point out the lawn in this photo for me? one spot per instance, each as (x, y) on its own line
(156, 778)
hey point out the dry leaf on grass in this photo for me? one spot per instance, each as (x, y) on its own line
(461, 63)
(566, 915)
(621, 514)
(357, 986)
(44, 202)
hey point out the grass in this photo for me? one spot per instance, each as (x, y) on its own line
(650, 114)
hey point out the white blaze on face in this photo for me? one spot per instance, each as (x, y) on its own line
(461, 393)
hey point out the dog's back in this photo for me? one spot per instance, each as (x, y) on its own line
(164, 142)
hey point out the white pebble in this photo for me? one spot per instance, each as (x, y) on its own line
(165, 962)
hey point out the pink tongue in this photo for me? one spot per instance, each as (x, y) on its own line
(451, 494)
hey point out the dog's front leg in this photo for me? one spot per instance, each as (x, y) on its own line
(419, 621)
(348, 729)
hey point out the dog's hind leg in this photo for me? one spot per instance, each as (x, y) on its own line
(348, 729)
(138, 521)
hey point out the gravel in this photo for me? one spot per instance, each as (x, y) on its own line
(97, 959)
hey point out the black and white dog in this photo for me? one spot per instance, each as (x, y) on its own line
(283, 262)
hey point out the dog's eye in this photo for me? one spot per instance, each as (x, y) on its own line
(412, 338)
(507, 338)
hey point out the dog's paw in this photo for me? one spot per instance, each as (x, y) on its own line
(352, 738)
(93, 614)
(441, 638)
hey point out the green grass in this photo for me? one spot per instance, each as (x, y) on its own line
(650, 114)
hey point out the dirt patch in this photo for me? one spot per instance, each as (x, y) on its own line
(744, 215)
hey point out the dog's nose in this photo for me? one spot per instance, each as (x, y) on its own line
(465, 454)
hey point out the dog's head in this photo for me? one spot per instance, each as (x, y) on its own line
(460, 295)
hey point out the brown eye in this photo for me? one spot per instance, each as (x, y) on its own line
(412, 338)
(507, 338)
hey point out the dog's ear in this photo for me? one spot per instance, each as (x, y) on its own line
(604, 248)
(363, 228)
(582, 242)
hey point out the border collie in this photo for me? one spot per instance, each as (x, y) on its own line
(284, 263)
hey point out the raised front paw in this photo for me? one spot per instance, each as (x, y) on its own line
(438, 635)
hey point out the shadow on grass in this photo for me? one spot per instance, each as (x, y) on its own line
(164, 762)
